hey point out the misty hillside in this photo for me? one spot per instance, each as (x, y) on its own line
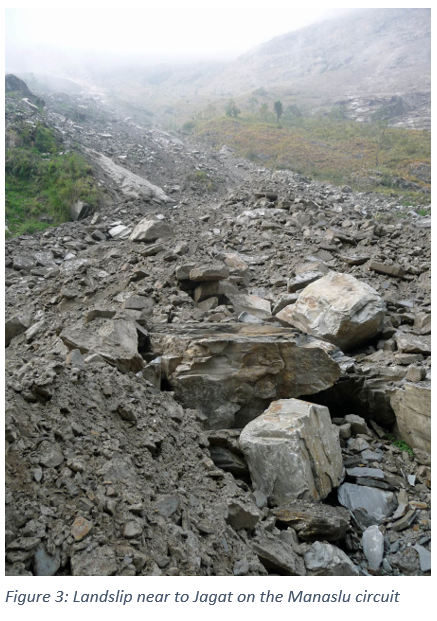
(363, 60)
(370, 61)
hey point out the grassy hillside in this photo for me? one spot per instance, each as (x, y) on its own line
(365, 156)
(42, 180)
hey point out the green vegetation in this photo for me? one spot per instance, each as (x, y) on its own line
(366, 156)
(400, 444)
(232, 109)
(201, 178)
(279, 109)
(41, 182)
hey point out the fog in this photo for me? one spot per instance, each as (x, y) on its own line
(57, 39)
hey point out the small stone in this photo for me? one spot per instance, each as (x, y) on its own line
(242, 515)
(415, 373)
(241, 567)
(132, 530)
(424, 557)
(80, 528)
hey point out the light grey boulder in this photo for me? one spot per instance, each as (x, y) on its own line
(369, 505)
(293, 451)
(412, 407)
(338, 308)
(324, 559)
(150, 230)
(373, 546)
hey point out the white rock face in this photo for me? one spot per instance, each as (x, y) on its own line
(150, 230)
(293, 451)
(129, 183)
(337, 308)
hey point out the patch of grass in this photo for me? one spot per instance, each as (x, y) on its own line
(328, 148)
(41, 183)
(201, 177)
(400, 444)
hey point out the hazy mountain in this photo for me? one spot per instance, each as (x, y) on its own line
(366, 60)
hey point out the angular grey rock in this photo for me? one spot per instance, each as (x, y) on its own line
(79, 210)
(424, 557)
(293, 451)
(338, 308)
(358, 424)
(314, 520)
(232, 372)
(373, 546)
(411, 344)
(45, 564)
(150, 230)
(368, 504)
(50, 455)
(242, 515)
(301, 281)
(214, 289)
(119, 232)
(373, 473)
(229, 461)
(152, 372)
(251, 304)
(209, 273)
(16, 325)
(98, 562)
(412, 407)
(324, 559)
(278, 556)
(166, 505)
(116, 340)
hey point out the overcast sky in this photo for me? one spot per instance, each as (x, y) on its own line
(150, 35)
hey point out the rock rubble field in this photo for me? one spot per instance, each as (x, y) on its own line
(220, 378)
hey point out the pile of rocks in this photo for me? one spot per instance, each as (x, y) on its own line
(208, 387)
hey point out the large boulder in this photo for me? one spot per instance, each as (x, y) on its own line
(293, 452)
(337, 308)
(150, 230)
(233, 372)
(412, 406)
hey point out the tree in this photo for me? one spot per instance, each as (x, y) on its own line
(232, 109)
(279, 109)
(263, 112)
